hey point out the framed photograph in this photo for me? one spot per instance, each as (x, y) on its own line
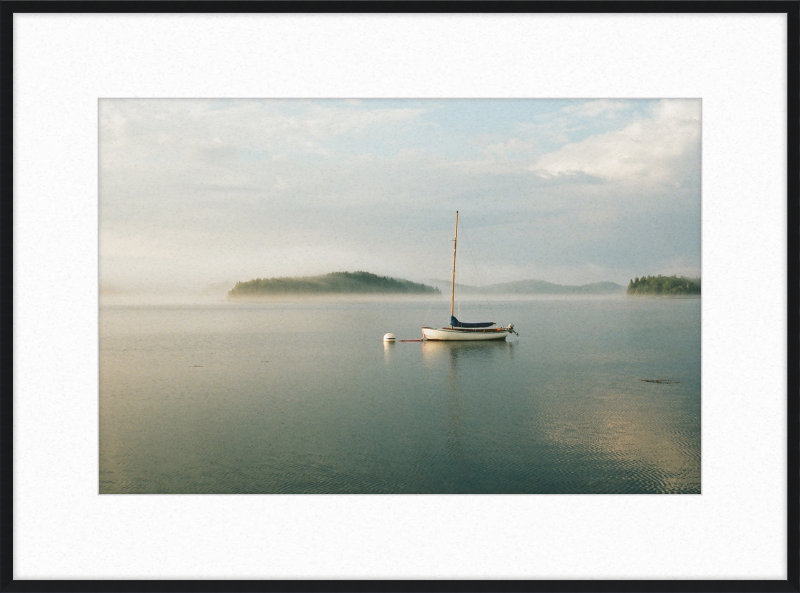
(373, 296)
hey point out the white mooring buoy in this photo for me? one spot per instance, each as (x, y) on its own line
(389, 338)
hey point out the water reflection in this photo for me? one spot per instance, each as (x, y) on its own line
(388, 351)
(459, 354)
(461, 360)
(562, 413)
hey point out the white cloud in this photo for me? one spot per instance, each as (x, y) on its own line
(232, 189)
(185, 133)
(607, 107)
(655, 148)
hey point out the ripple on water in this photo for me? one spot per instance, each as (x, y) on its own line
(187, 403)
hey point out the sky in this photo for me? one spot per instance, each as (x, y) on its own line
(194, 193)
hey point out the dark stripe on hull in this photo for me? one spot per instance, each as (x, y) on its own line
(484, 340)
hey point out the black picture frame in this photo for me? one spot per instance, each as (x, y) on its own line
(7, 11)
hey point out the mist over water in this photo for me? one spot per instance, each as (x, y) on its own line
(302, 396)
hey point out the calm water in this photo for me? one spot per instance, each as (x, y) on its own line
(305, 398)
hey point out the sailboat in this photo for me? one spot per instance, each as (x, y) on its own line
(458, 330)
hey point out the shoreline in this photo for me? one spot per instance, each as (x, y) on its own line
(183, 299)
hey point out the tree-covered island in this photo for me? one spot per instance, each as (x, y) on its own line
(333, 283)
(664, 286)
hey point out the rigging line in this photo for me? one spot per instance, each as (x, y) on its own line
(433, 300)
(457, 299)
(480, 281)
(456, 295)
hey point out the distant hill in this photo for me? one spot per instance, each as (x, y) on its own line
(664, 285)
(542, 287)
(533, 287)
(334, 283)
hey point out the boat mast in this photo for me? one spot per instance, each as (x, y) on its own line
(453, 285)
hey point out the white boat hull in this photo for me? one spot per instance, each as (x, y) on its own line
(430, 333)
